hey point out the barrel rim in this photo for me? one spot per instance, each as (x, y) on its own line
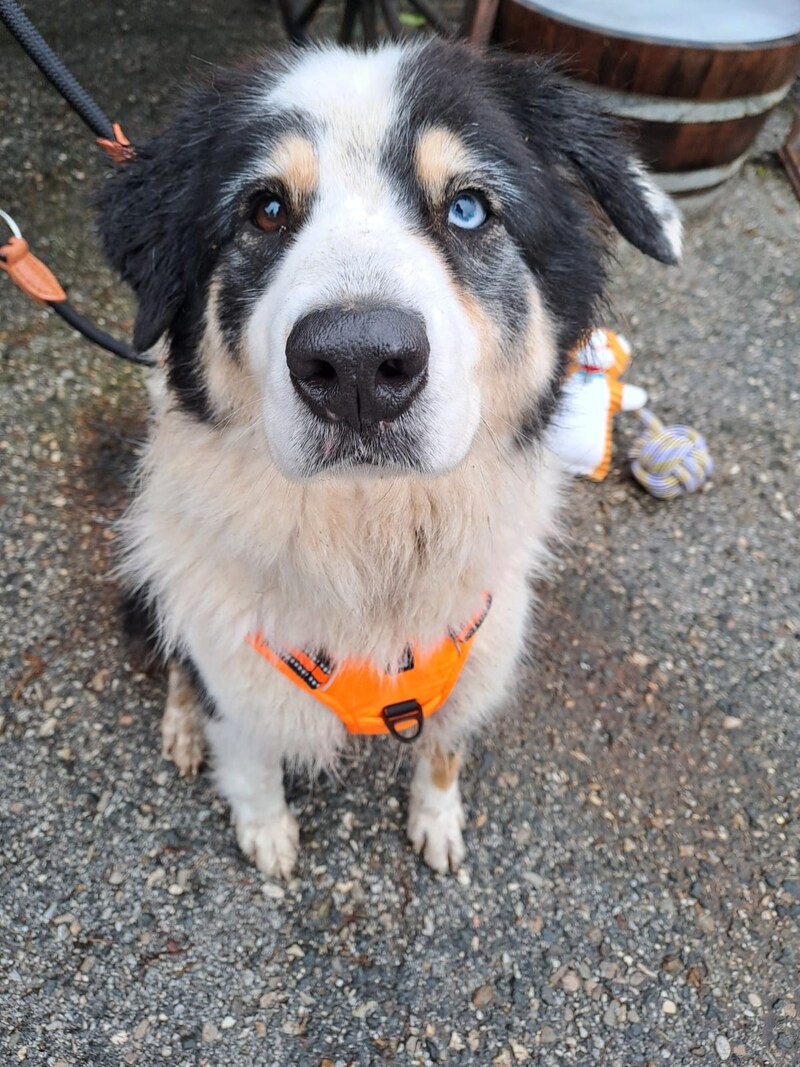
(659, 42)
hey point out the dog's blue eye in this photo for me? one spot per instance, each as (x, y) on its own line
(467, 211)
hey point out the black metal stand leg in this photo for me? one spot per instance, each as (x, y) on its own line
(351, 10)
(433, 16)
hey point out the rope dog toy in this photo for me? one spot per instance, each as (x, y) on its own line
(669, 460)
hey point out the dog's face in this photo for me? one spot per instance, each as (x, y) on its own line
(376, 254)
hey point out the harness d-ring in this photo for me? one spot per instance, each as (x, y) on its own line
(402, 716)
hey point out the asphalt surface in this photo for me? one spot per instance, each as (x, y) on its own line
(632, 890)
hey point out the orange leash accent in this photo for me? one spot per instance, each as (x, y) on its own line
(370, 701)
(29, 273)
(120, 149)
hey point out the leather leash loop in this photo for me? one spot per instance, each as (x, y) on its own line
(29, 273)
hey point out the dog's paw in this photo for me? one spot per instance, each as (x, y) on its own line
(271, 845)
(182, 738)
(434, 830)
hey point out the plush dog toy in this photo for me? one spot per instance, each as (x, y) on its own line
(593, 395)
(666, 461)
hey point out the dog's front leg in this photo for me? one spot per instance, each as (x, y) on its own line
(435, 816)
(249, 775)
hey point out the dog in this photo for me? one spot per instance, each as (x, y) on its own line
(365, 270)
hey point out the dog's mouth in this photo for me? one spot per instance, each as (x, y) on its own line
(390, 446)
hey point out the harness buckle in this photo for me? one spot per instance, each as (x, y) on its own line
(399, 717)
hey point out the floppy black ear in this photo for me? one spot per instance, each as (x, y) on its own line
(149, 222)
(567, 126)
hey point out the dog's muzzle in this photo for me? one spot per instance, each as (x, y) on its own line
(360, 366)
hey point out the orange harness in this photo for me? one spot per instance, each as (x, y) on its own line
(369, 701)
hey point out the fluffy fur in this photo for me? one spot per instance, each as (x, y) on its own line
(254, 512)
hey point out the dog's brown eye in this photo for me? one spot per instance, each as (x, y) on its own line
(270, 214)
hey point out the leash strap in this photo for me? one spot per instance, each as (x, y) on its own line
(27, 272)
(109, 134)
(37, 281)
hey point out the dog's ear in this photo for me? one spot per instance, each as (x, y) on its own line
(569, 129)
(150, 217)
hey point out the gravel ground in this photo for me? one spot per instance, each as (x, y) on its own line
(632, 891)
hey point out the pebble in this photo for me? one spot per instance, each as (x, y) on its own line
(483, 996)
(571, 982)
(754, 999)
(518, 1050)
(273, 891)
(669, 1007)
(723, 1047)
(548, 1036)
(228, 1022)
(209, 1032)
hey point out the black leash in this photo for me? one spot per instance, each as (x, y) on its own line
(16, 259)
(20, 26)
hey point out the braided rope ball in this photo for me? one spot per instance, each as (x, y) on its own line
(669, 461)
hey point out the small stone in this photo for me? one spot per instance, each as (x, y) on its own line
(731, 722)
(740, 1051)
(483, 996)
(48, 727)
(706, 923)
(502, 1059)
(456, 1041)
(754, 1000)
(295, 952)
(99, 680)
(209, 1032)
(261, 1030)
(117, 877)
(273, 891)
(518, 1050)
(228, 1022)
(571, 982)
(141, 1029)
(175, 890)
(548, 1036)
(361, 1011)
(723, 1047)
(669, 1007)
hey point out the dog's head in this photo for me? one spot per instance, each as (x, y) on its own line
(376, 253)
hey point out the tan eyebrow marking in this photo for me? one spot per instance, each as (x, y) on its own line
(440, 155)
(294, 161)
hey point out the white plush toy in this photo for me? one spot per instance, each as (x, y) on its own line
(580, 433)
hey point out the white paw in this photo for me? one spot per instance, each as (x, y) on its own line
(435, 831)
(182, 739)
(271, 845)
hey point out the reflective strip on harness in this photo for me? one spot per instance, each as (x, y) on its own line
(360, 695)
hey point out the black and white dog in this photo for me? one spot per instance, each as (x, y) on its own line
(367, 269)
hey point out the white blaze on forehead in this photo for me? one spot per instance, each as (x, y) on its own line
(351, 91)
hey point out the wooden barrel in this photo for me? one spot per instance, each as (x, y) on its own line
(695, 78)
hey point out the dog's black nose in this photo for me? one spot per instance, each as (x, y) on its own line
(358, 365)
